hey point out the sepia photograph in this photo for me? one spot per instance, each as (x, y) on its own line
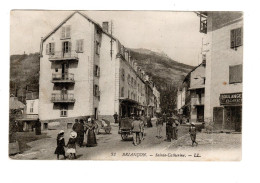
(126, 85)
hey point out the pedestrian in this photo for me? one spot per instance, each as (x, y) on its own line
(142, 129)
(192, 132)
(80, 133)
(72, 145)
(116, 117)
(75, 128)
(60, 145)
(175, 129)
(136, 130)
(169, 128)
(90, 133)
(149, 122)
(159, 125)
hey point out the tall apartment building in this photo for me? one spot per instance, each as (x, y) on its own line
(85, 71)
(224, 57)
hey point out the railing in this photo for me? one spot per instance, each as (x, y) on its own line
(63, 77)
(197, 101)
(60, 55)
(62, 98)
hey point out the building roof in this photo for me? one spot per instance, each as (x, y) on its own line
(192, 71)
(14, 103)
(71, 15)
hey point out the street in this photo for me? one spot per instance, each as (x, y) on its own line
(112, 147)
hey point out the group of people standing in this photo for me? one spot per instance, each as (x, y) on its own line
(172, 124)
(80, 129)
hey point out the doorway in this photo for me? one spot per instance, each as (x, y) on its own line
(233, 118)
(200, 113)
(66, 49)
(64, 70)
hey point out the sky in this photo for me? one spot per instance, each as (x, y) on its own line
(173, 33)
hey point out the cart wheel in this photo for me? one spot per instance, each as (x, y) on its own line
(124, 136)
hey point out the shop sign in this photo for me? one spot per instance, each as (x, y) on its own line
(230, 99)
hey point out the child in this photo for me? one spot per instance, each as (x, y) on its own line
(72, 144)
(60, 145)
(192, 132)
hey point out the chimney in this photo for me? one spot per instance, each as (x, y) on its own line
(105, 26)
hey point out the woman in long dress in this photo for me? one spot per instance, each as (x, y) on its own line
(90, 133)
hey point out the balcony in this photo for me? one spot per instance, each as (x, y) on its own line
(198, 101)
(63, 78)
(62, 98)
(60, 56)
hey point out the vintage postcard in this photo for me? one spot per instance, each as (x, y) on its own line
(126, 85)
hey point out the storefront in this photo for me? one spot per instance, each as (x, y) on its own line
(230, 112)
(128, 107)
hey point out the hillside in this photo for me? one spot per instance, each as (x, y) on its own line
(163, 70)
(24, 72)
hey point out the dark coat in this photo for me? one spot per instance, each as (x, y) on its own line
(91, 136)
(72, 143)
(60, 146)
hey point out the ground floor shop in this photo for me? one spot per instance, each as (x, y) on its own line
(228, 116)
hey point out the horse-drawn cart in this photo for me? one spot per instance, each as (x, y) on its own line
(125, 127)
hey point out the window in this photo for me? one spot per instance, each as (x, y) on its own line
(128, 79)
(56, 69)
(96, 91)
(79, 44)
(65, 32)
(235, 74)
(66, 47)
(50, 48)
(31, 107)
(97, 48)
(236, 38)
(132, 81)
(64, 111)
(122, 91)
(123, 75)
(97, 71)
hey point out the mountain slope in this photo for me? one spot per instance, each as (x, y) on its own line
(24, 72)
(163, 70)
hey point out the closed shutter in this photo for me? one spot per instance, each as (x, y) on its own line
(69, 47)
(47, 49)
(98, 71)
(52, 48)
(67, 32)
(63, 32)
(239, 34)
(235, 74)
(232, 39)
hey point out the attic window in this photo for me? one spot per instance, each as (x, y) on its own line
(65, 32)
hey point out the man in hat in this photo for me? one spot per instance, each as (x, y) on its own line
(80, 133)
(193, 132)
(159, 125)
(136, 130)
(115, 117)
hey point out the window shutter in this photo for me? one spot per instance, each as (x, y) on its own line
(52, 48)
(232, 39)
(47, 49)
(67, 31)
(81, 45)
(98, 71)
(235, 74)
(77, 45)
(239, 37)
(63, 32)
(69, 47)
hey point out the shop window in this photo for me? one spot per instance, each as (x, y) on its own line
(236, 38)
(235, 74)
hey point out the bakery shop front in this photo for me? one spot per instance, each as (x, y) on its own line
(232, 111)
